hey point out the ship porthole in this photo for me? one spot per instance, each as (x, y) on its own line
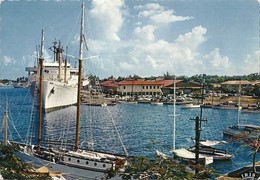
(69, 159)
(104, 165)
(95, 164)
(78, 161)
(86, 162)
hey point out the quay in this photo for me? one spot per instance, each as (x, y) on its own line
(100, 99)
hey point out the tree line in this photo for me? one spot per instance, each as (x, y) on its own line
(196, 78)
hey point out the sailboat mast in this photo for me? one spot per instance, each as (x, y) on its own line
(174, 112)
(79, 79)
(40, 95)
(238, 104)
(5, 122)
(202, 96)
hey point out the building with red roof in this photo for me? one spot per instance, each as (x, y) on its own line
(142, 87)
(109, 87)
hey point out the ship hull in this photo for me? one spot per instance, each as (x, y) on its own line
(56, 95)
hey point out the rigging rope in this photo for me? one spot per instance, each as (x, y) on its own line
(121, 141)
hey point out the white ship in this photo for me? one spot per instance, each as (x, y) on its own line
(60, 81)
(74, 161)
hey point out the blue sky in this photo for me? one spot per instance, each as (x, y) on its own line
(142, 37)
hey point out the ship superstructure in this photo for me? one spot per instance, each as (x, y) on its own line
(60, 81)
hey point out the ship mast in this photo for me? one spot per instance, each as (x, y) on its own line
(65, 70)
(40, 95)
(59, 57)
(79, 79)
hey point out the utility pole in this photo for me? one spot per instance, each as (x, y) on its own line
(198, 121)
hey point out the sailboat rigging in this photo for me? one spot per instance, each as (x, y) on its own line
(40, 96)
(76, 158)
(79, 79)
(240, 128)
(199, 152)
(158, 153)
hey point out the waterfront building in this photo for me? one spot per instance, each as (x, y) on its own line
(142, 87)
(246, 86)
(183, 87)
(109, 87)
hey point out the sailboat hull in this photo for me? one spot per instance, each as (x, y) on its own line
(68, 171)
(80, 159)
(216, 154)
(85, 163)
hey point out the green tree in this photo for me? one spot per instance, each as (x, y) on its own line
(167, 76)
(11, 166)
(142, 167)
(158, 168)
(251, 140)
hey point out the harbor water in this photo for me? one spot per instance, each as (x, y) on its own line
(143, 128)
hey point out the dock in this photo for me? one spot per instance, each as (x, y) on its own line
(96, 99)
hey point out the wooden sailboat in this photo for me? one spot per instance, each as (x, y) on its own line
(201, 152)
(75, 160)
(207, 148)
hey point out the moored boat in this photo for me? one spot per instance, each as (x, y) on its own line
(251, 109)
(246, 129)
(188, 156)
(156, 103)
(190, 105)
(73, 155)
(226, 107)
(20, 85)
(60, 81)
(206, 148)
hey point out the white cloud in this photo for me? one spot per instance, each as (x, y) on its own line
(158, 14)
(146, 32)
(6, 60)
(154, 6)
(28, 61)
(192, 39)
(157, 57)
(108, 18)
(217, 64)
(151, 61)
(75, 39)
(126, 66)
(145, 54)
(251, 63)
